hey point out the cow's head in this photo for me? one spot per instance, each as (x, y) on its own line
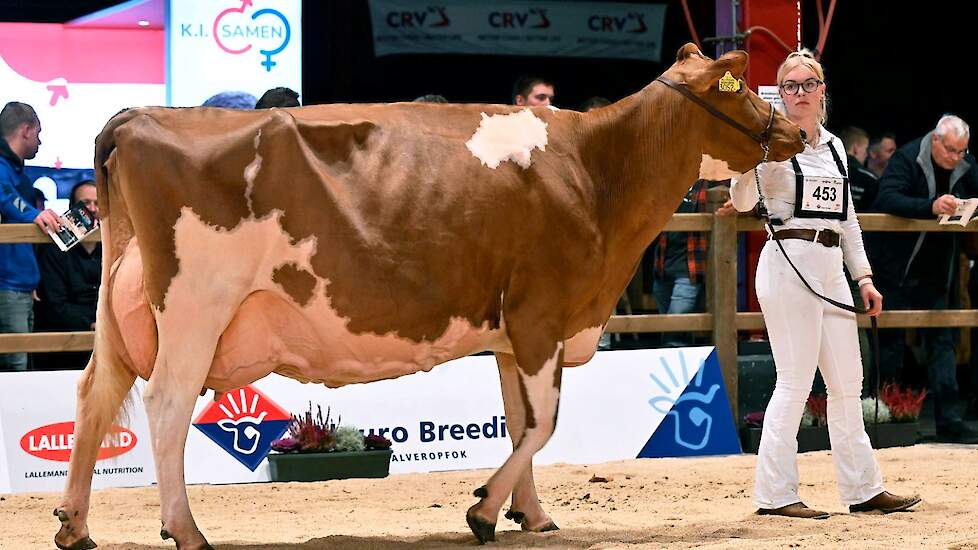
(719, 84)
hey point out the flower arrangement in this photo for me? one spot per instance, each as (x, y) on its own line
(904, 404)
(870, 413)
(313, 433)
(816, 411)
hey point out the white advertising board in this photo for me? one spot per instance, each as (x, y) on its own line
(448, 419)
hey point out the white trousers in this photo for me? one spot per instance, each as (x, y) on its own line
(808, 333)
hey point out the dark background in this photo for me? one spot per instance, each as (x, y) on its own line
(890, 66)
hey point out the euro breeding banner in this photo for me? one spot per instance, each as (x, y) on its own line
(568, 29)
(621, 405)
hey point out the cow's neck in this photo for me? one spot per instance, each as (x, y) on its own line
(643, 155)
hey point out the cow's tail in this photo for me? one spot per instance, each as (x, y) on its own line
(109, 375)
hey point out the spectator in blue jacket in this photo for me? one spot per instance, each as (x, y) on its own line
(18, 267)
(925, 179)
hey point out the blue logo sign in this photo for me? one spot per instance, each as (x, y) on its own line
(699, 421)
(244, 423)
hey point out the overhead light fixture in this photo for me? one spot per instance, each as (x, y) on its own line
(143, 23)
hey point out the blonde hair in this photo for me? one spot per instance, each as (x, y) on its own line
(805, 59)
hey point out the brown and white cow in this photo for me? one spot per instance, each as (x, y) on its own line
(343, 244)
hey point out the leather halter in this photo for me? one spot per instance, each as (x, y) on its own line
(763, 139)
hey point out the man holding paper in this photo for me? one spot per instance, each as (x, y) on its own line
(18, 268)
(925, 179)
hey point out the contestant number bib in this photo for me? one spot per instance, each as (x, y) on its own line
(823, 195)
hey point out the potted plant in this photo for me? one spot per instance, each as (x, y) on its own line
(316, 449)
(892, 424)
(896, 423)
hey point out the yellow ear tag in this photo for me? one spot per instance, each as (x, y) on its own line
(729, 84)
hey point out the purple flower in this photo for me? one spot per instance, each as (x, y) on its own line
(286, 445)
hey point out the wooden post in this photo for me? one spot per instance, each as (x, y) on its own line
(722, 296)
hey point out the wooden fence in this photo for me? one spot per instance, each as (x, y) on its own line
(722, 319)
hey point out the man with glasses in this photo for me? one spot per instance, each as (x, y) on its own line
(924, 179)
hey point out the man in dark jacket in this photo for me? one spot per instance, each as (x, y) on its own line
(862, 183)
(20, 128)
(924, 179)
(68, 292)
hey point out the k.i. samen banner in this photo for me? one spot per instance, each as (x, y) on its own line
(621, 405)
(567, 29)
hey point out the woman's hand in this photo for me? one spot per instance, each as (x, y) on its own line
(872, 299)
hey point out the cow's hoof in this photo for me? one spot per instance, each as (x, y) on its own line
(517, 517)
(83, 544)
(67, 533)
(165, 535)
(482, 529)
(549, 526)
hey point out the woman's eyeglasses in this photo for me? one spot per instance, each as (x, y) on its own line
(791, 87)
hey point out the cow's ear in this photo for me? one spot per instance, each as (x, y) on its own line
(734, 62)
(688, 49)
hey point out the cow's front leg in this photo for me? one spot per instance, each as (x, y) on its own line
(525, 508)
(179, 372)
(538, 380)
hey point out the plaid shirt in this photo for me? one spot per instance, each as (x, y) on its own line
(696, 242)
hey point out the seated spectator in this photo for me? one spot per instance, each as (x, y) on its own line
(595, 102)
(863, 184)
(533, 91)
(278, 97)
(231, 100)
(924, 179)
(69, 287)
(880, 150)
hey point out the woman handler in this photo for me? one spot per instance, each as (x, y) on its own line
(811, 216)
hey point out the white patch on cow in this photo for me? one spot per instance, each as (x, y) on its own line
(219, 270)
(715, 169)
(552, 108)
(251, 172)
(541, 384)
(513, 137)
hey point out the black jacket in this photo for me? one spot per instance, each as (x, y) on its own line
(863, 185)
(908, 189)
(69, 288)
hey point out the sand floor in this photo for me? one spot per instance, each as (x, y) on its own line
(654, 503)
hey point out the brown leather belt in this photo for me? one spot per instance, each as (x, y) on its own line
(824, 237)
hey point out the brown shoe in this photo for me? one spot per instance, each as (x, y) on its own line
(796, 510)
(885, 503)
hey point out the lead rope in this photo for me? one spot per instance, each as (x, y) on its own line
(762, 211)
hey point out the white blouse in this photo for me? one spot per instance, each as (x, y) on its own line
(778, 187)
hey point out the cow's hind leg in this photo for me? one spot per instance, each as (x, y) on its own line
(182, 363)
(525, 509)
(101, 390)
(538, 380)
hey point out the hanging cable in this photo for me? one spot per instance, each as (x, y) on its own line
(692, 29)
(770, 33)
(824, 34)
